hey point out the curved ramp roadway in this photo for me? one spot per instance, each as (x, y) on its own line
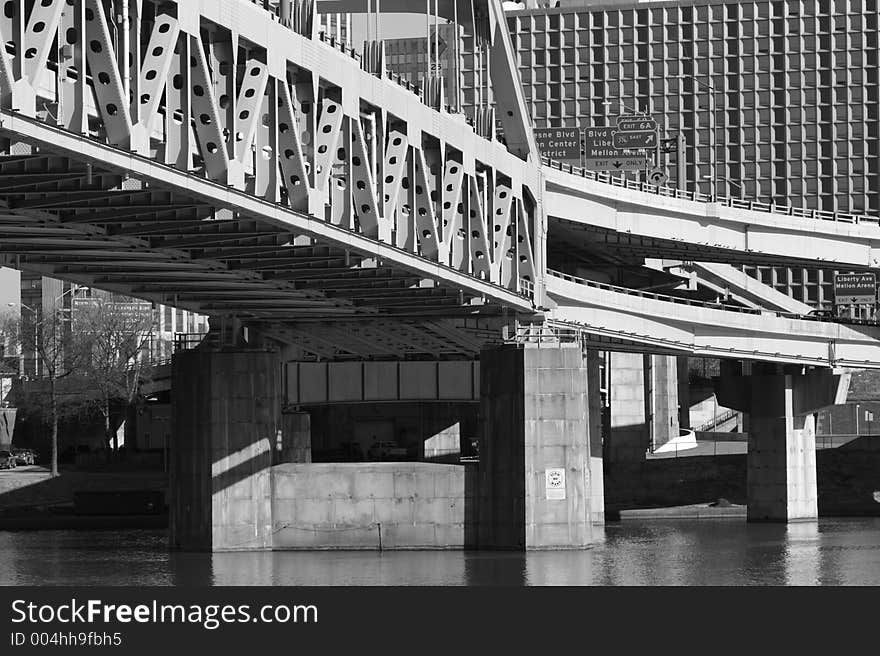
(656, 322)
(639, 218)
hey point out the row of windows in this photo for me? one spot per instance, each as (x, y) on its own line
(789, 276)
(749, 97)
(719, 64)
(809, 121)
(715, 13)
(669, 75)
(800, 33)
(734, 93)
(810, 53)
(715, 30)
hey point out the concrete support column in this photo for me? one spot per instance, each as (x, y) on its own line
(295, 444)
(684, 391)
(594, 417)
(781, 461)
(644, 404)
(629, 436)
(780, 402)
(225, 419)
(663, 401)
(535, 477)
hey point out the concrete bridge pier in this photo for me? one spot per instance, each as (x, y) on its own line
(226, 425)
(781, 462)
(644, 399)
(535, 466)
(594, 417)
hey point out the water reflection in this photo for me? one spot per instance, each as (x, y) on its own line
(802, 566)
(673, 552)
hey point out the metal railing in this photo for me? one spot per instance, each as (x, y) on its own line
(187, 341)
(715, 421)
(545, 334)
(672, 192)
(402, 81)
(341, 46)
(527, 288)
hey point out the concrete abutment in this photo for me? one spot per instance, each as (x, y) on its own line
(226, 418)
(242, 476)
(535, 478)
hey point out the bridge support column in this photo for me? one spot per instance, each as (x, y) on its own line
(535, 479)
(628, 435)
(594, 417)
(296, 438)
(781, 461)
(644, 404)
(684, 391)
(225, 417)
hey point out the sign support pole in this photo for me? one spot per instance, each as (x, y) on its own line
(681, 163)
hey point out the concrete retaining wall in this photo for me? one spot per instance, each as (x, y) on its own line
(847, 479)
(373, 505)
(20, 489)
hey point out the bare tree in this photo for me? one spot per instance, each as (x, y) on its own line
(56, 353)
(116, 360)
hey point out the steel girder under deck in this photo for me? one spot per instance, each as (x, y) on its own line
(242, 167)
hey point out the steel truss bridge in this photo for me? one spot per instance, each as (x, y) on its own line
(227, 157)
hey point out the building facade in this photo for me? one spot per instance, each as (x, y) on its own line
(410, 59)
(44, 296)
(777, 100)
(779, 97)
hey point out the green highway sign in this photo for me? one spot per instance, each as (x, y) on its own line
(636, 139)
(855, 288)
(561, 144)
(601, 154)
(636, 124)
(618, 164)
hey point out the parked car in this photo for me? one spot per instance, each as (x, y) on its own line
(7, 460)
(386, 451)
(821, 314)
(24, 456)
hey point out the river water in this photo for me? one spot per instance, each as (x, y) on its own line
(632, 552)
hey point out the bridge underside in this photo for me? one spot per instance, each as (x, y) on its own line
(573, 243)
(97, 226)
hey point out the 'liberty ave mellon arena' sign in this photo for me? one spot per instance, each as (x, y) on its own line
(561, 144)
(855, 288)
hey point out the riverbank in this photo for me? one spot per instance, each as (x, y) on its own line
(31, 499)
(49, 521)
(35, 488)
(713, 510)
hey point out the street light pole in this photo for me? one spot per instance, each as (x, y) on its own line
(712, 121)
(742, 192)
(608, 103)
(731, 182)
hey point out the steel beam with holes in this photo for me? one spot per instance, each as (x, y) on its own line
(204, 191)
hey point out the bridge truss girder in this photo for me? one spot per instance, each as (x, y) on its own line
(374, 204)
